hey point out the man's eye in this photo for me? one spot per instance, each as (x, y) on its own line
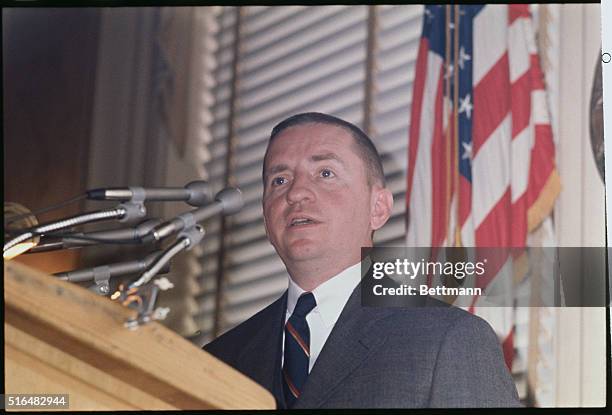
(277, 181)
(327, 173)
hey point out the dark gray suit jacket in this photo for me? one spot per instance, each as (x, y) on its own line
(380, 358)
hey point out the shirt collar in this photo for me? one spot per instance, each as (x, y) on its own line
(331, 296)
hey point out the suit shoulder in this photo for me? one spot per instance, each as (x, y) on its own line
(461, 320)
(229, 345)
(436, 326)
(470, 370)
(437, 316)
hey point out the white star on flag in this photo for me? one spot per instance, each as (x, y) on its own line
(467, 151)
(463, 57)
(465, 106)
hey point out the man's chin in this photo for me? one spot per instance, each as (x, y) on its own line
(305, 251)
(303, 255)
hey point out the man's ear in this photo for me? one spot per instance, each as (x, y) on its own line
(381, 205)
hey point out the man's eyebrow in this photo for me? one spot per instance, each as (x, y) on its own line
(317, 157)
(275, 169)
(327, 156)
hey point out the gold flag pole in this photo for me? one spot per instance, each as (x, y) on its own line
(454, 235)
(447, 141)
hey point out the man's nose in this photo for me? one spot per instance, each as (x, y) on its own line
(300, 190)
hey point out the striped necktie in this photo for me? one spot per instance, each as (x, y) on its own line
(297, 349)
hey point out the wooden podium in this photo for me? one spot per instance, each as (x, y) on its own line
(63, 339)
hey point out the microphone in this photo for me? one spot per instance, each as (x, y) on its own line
(195, 193)
(80, 240)
(101, 275)
(228, 201)
(111, 270)
(125, 212)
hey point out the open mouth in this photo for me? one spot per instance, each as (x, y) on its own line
(301, 222)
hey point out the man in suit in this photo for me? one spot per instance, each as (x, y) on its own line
(317, 346)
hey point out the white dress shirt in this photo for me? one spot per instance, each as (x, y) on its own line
(331, 297)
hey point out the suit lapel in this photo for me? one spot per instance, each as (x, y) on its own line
(353, 338)
(261, 358)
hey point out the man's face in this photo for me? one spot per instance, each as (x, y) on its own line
(318, 205)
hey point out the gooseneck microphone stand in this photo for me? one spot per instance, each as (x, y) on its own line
(125, 212)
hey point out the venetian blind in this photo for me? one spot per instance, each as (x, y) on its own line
(294, 59)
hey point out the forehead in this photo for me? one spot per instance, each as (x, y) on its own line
(305, 140)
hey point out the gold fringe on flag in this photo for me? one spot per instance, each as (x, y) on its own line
(545, 202)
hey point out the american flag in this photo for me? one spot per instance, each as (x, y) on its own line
(481, 157)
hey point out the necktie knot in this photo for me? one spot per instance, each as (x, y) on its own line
(304, 305)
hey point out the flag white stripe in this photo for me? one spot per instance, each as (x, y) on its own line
(490, 39)
(491, 171)
(419, 231)
(521, 154)
(539, 107)
(518, 49)
(467, 232)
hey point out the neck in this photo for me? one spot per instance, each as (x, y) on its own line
(310, 275)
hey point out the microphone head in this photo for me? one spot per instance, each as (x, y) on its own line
(147, 226)
(199, 193)
(231, 200)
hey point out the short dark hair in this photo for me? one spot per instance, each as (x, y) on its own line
(363, 144)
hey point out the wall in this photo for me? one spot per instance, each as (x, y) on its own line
(49, 63)
(579, 346)
(148, 125)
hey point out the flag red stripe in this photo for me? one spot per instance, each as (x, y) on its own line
(491, 102)
(537, 78)
(542, 161)
(516, 11)
(520, 94)
(494, 229)
(439, 171)
(519, 221)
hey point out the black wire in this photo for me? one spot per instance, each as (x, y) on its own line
(47, 209)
